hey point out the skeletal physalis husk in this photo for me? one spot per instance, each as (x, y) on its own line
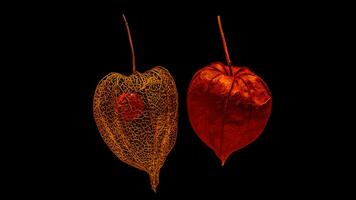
(137, 117)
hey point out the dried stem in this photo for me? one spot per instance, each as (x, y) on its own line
(227, 56)
(131, 45)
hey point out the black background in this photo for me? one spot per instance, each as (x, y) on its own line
(72, 46)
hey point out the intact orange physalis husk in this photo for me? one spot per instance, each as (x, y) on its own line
(137, 117)
(228, 112)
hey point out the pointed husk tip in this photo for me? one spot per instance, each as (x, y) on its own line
(154, 179)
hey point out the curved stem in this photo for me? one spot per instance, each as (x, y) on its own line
(131, 45)
(227, 56)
